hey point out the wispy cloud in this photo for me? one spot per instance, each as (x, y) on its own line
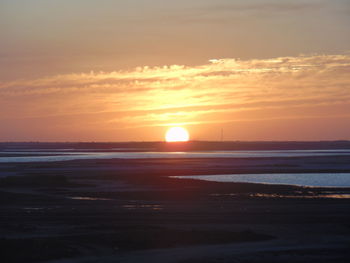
(222, 91)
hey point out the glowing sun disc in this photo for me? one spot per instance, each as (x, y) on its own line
(177, 134)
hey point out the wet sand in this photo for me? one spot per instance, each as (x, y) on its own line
(131, 211)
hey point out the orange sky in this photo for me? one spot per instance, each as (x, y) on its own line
(238, 67)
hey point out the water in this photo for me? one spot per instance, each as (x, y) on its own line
(299, 179)
(302, 179)
(56, 156)
(322, 195)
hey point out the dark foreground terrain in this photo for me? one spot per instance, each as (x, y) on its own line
(130, 211)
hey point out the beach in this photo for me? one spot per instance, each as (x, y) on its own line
(132, 210)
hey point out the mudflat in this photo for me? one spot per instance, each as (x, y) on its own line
(131, 211)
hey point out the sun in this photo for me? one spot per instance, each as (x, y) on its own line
(177, 134)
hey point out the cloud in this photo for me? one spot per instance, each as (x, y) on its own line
(221, 91)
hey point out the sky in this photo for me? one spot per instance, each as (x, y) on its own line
(107, 70)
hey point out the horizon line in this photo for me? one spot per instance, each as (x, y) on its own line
(190, 141)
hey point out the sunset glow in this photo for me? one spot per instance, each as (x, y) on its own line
(117, 113)
(177, 134)
(124, 70)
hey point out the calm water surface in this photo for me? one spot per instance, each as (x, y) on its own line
(300, 179)
(54, 156)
